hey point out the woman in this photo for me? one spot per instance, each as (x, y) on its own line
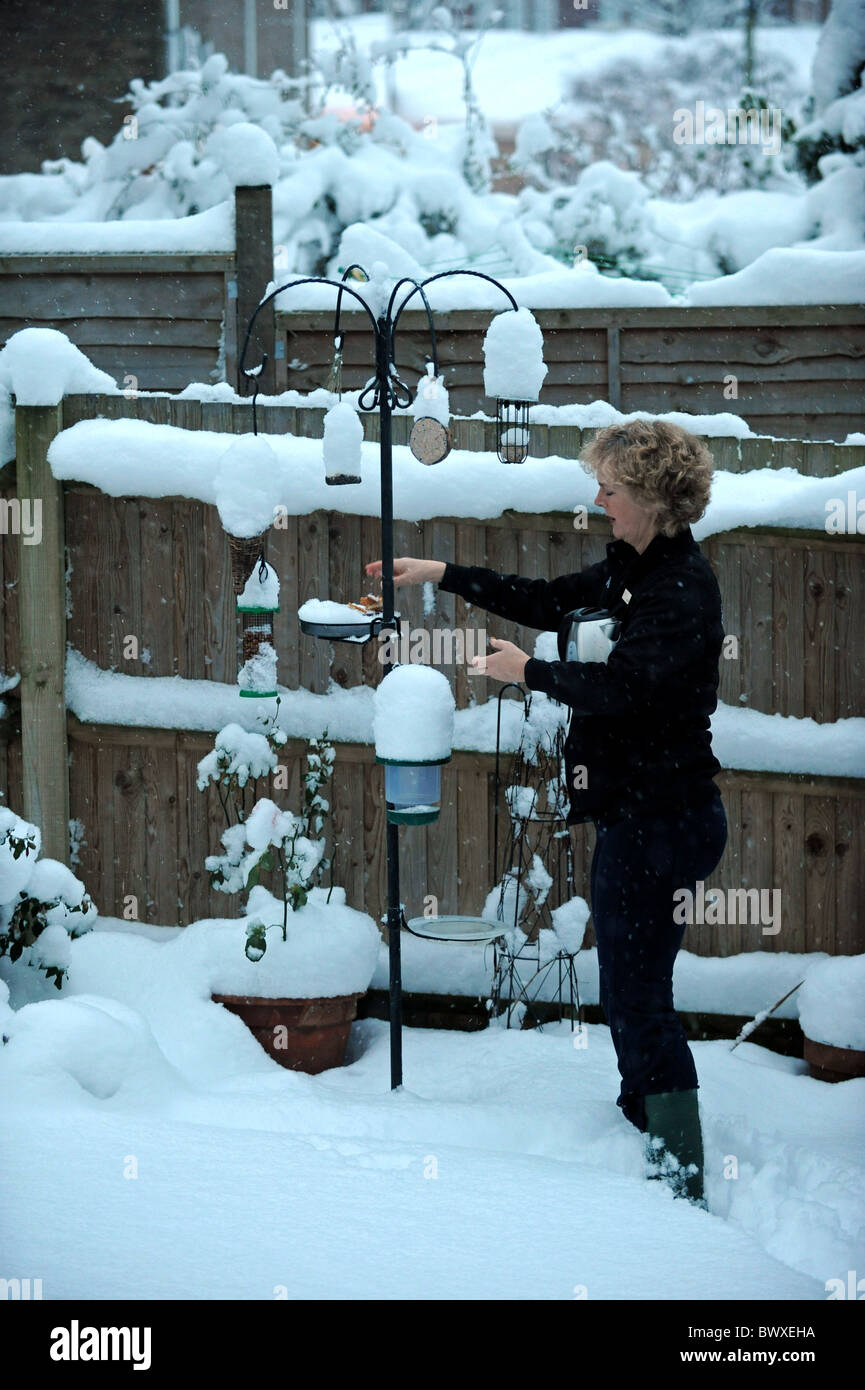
(638, 754)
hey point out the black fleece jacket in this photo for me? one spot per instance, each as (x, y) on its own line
(639, 735)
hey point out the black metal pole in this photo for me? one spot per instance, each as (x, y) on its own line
(394, 913)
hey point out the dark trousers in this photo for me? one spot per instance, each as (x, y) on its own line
(640, 861)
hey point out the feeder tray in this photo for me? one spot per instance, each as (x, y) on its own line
(455, 928)
(361, 631)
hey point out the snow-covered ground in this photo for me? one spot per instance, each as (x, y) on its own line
(152, 1150)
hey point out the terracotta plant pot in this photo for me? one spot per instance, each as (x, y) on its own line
(827, 1063)
(308, 1035)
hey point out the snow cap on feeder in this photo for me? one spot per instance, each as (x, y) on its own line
(514, 371)
(413, 728)
(256, 605)
(247, 486)
(341, 444)
(430, 439)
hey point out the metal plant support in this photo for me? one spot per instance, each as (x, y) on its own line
(539, 781)
(385, 392)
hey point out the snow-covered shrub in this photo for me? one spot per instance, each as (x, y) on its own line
(603, 217)
(263, 837)
(193, 135)
(42, 903)
(606, 115)
(831, 147)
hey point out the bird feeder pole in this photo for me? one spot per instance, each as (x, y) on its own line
(387, 390)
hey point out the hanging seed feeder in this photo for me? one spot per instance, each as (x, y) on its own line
(514, 370)
(256, 606)
(342, 436)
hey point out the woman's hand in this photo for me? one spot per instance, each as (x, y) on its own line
(507, 664)
(409, 571)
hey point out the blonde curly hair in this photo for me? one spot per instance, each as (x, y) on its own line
(663, 467)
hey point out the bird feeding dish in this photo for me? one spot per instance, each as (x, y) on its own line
(339, 622)
(413, 726)
(456, 928)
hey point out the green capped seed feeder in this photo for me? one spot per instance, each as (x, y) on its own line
(256, 605)
(413, 727)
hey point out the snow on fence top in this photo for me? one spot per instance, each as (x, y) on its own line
(133, 458)
(39, 366)
(779, 276)
(741, 738)
(202, 233)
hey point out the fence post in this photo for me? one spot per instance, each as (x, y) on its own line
(42, 609)
(253, 213)
(614, 377)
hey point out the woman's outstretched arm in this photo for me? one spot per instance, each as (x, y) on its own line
(537, 603)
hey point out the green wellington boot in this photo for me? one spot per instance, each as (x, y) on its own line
(675, 1143)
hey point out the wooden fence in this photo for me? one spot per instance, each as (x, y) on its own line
(157, 322)
(796, 372)
(159, 569)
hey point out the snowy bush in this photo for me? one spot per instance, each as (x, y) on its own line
(42, 903)
(192, 136)
(606, 116)
(262, 837)
(831, 147)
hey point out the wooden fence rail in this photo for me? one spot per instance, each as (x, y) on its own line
(158, 569)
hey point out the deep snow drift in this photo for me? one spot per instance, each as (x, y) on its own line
(153, 1150)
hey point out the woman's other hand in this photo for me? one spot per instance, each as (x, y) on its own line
(409, 571)
(507, 664)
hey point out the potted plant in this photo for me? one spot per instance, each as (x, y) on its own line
(308, 956)
(832, 1015)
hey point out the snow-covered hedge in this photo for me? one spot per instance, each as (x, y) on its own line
(42, 903)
